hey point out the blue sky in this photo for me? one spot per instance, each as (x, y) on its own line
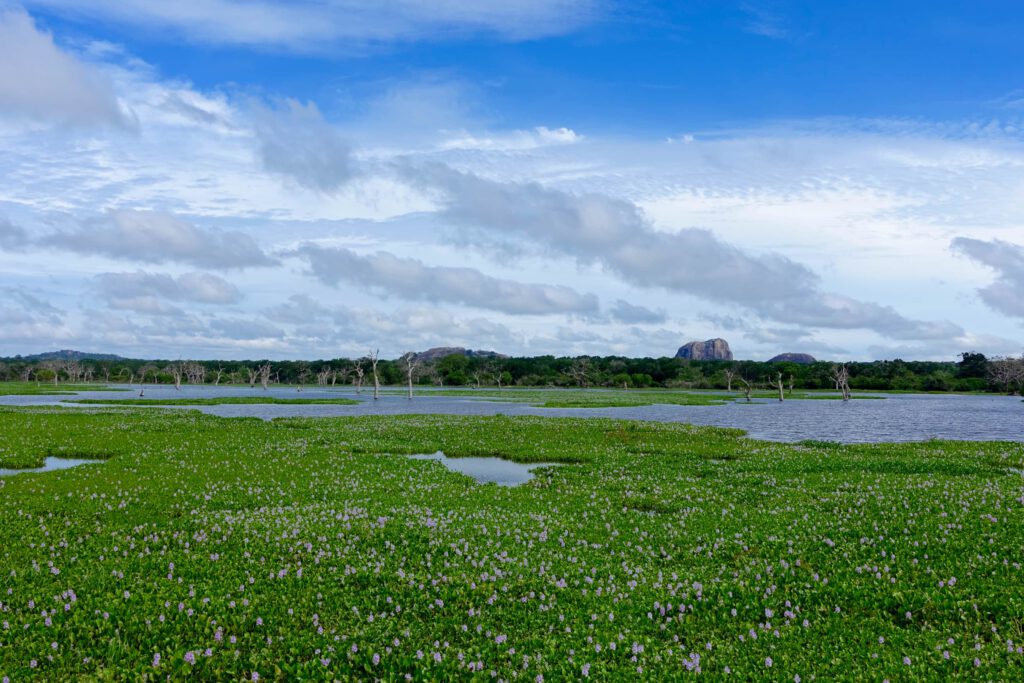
(222, 178)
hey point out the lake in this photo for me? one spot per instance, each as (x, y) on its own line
(898, 417)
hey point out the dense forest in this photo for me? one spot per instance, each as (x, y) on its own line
(970, 372)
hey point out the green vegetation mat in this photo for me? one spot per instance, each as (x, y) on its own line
(48, 389)
(299, 549)
(214, 401)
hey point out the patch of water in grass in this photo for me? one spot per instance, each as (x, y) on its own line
(49, 465)
(488, 470)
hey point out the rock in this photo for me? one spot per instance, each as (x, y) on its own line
(439, 352)
(712, 349)
(801, 358)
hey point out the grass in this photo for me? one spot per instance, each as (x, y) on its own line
(215, 401)
(48, 388)
(310, 549)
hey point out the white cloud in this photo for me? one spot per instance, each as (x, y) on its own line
(205, 288)
(336, 25)
(615, 234)
(40, 81)
(411, 279)
(157, 237)
(296, 143)
(1006, 294)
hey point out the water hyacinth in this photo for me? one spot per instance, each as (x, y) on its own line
(311, 549)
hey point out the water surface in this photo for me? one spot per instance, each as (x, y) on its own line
(899, 417)
(488, 470)
(49, 465)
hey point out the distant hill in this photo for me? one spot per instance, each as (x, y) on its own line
(712, 349)
(801, 358)
(439, 352)
(68, 354)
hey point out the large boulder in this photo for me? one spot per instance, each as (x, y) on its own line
(801, 358)
(712, 349)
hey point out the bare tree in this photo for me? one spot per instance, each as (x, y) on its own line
(778, 383)
(1007, 374)
(579, 371)
(26, 373)
(265, 375)
(254, 374)
(220, 372)
(177, 372)
(376, 378)
(747, 387)
(841, 377)
(730, 374)
(410, 362)
(791, 385)
(357, 375)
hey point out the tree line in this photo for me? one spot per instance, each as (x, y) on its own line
(970, 372)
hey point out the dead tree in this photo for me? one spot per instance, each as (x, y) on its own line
(730, 374)
(1007, 374)
(579, 371)
(376, 378)
(791, 385)
(778, 383)
(357, 376)
(254, 374)
(265, 375)
(747, 388)
(841, 377)
(220, 372)
(176, 372)
(410, 362)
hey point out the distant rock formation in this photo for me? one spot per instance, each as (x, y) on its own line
(801, 358)
(712, 349)
(439, 352)
(68, 354)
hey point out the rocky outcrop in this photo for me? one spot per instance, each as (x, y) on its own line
(712, 349)
(801, 358)
(439, 352)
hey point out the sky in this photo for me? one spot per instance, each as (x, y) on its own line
(318, 178)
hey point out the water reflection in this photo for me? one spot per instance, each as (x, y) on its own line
(488, 470)
(49, 465)
(900, 417)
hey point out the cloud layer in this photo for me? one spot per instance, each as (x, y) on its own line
(157, 237)
(1006, 294)
(40, 81)
(411, 279)
(311, 25)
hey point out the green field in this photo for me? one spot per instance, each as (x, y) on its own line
(215, 401)
(48, 389)
(306, 549)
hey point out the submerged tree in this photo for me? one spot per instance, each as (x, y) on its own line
(376, 377)
(841, 377)
(410, 363)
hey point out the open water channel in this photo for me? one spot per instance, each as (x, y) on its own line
(898, 417)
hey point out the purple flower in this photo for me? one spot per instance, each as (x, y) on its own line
(190, 657)
(156, 660)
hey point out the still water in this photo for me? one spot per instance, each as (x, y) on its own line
(49, 465)
(898, 417)
(487, 470)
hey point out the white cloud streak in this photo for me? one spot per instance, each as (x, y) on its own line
(411, 279)
(334, 25)
(157, 237)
